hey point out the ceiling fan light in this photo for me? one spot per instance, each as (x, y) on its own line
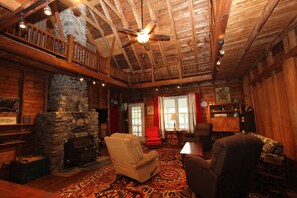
(142, 37)
(47, 10)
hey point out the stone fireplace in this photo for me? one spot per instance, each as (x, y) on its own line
(68, 117)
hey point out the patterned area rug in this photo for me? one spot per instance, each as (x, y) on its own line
(170, 182)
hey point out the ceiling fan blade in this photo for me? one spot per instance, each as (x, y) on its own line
(127, 43)
(147, 46)
(127, 31)
(151, 26)
(159, 37)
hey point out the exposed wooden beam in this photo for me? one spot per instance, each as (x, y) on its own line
(17, 48)
(125, 23)
(255, 31)
(97, 26)
(199, 78)
(115, 32)
(191, 8)
(221, 10)
(169, 6)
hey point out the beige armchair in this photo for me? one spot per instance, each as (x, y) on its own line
(128, 158)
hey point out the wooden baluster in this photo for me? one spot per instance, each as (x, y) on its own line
(70, 48)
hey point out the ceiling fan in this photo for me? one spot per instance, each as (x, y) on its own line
(143, 35)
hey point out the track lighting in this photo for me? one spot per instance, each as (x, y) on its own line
(47, 10)
(217, 68)
(222, 52)
(22, 24)
(218, 62)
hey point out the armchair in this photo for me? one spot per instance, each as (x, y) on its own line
(202, 133)
(230, 172)
(152, 136)
(128, 159)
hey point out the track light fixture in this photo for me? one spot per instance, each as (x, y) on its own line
(22, 23)
(222, 52)
(47, 10)
(217, 68)
(218, 62)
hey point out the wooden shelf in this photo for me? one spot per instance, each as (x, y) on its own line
(14, 133)
(12, 142)
(19, 124)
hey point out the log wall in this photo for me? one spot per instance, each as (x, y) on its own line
(272, 93)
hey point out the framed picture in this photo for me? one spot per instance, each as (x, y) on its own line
(26, 119)
(9, 105)
(223, 95)
(8, 120)
(150, 110)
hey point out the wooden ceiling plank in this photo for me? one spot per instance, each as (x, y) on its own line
(271, 4)
(114, 29)
(153, 16)
(10, 4)
(191, 7)
(125, 23)
(169, 6)
(115, 10)
(139, 24)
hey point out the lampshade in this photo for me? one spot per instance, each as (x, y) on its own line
(47, 10)
(173, 117)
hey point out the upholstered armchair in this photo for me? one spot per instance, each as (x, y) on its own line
(128, 158)
(152, 136)
(231, 170)
(203, 135)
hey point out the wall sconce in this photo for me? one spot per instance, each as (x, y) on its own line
(81, 79)
(47, 10)
(94, 82)
(103, 84)
(22, 23)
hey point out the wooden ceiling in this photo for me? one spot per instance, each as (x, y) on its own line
(247, 30)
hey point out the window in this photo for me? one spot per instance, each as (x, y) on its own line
(176, 105)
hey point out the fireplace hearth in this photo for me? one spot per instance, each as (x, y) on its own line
(68, 122)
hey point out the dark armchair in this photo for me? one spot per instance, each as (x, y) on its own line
(202, 134)
(231, 170)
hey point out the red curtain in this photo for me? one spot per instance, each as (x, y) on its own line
(198, 108)
(156, 112)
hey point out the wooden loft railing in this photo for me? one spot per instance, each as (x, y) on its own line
(71, 51)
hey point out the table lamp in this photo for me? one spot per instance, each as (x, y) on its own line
(174, 118)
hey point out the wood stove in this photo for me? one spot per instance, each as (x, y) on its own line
(79, 151)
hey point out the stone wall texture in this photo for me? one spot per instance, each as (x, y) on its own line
(67, 94)
(73, 25)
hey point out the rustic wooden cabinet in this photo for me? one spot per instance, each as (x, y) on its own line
(175, 138)
(225, 117)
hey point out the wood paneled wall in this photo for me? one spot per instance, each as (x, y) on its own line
(30, 86)
(207, 92)
(273, 94)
